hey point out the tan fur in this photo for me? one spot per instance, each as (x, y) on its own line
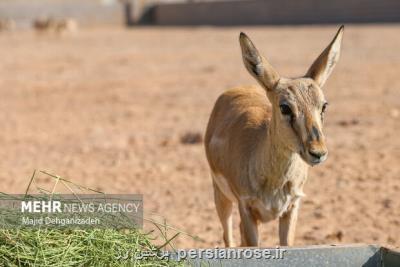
(258, 156)
(67, 25)
(7, 25)
(48, 24)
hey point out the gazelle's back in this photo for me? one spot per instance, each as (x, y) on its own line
(237, 124)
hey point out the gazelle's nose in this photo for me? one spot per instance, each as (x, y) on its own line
(318, 156)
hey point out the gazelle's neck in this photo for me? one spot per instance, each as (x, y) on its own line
(281, 163)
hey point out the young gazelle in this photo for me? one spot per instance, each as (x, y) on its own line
(260, 142)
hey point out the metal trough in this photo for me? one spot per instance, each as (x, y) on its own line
(334, 255)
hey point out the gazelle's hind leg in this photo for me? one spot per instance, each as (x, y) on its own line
(224, 209)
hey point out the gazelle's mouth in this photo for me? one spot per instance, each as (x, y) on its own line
(312, 158)
(317, 160)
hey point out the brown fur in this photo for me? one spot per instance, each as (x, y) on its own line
(7, 25)
(48, 24)
(258, 156)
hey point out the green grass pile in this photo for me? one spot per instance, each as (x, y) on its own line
(80, 247)
(96, 247)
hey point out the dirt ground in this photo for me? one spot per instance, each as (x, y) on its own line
(107, 107)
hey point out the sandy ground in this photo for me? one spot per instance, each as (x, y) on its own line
(107, 108)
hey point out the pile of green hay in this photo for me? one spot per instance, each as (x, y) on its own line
(96, 247)
(80, 247)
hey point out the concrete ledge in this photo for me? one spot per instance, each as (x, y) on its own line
(311, 256)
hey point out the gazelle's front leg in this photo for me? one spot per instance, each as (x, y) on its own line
(287, 225)
(248, 226)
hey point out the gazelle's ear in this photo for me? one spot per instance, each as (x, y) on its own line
(257, 66)
(324, 64)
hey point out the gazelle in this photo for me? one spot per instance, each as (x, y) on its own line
(260, 142)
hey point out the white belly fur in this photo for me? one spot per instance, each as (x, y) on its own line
(269, 207)
(274, 205)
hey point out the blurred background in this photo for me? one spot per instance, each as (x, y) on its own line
(115, 95)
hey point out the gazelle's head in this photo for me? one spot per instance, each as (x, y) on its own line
(298, 104)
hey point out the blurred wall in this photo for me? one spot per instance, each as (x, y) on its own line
(203, 12)
(276, 12)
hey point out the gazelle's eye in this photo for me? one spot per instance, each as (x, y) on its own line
(286, 110)
(324, 107)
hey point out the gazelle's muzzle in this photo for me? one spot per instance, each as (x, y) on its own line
(316, 152)
(313, 150)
